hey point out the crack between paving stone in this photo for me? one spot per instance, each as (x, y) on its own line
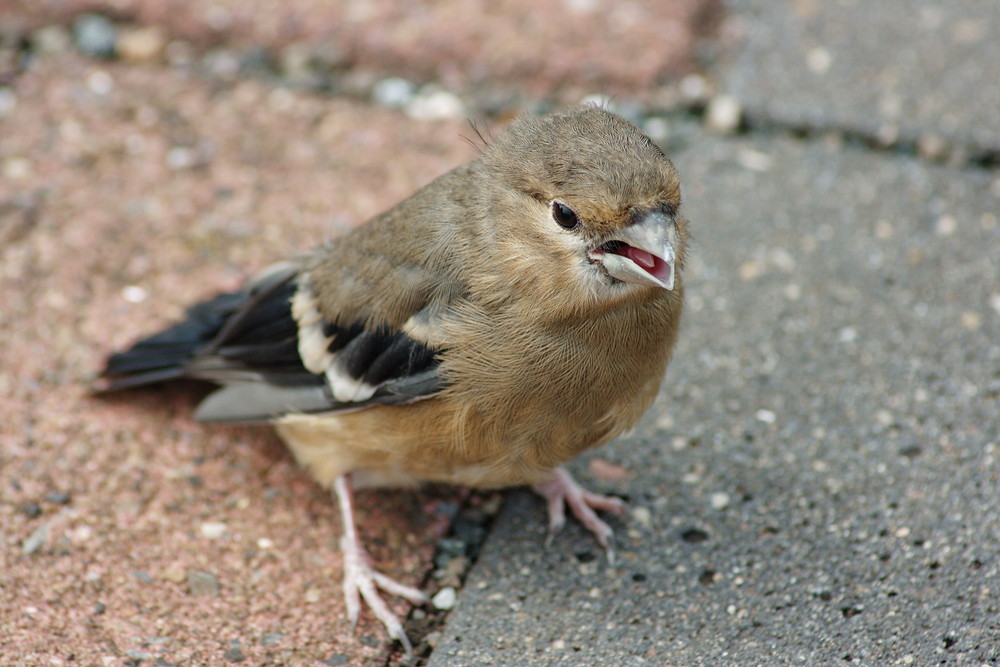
(469, 529)
(905, 144)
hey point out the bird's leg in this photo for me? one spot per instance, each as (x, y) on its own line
(562, 490)
(361, 580)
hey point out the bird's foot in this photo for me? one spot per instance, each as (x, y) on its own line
(562, 491)
(362, 581)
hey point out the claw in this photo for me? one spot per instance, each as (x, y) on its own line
(562, 491)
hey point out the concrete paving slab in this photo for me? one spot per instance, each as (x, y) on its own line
(818, 481)
(920, 72)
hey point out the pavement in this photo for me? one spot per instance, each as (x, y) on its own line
(818, 482)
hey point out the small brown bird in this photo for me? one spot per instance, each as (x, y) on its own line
(506, 317)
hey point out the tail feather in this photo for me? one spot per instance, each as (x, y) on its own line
(163, 356)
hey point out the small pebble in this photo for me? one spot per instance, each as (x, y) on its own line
(31, 510)
(847, 335)
(100, 83)
(819, 60)
(754, 160)
(141, 45)
(719, 500)
(134, 294)
(95, 35)
(202, 583)
(435, 105)
(271, 638)
(445, 598)
(16, 168)
(945, 225)
(642, 516)
(174, 574)
(213, 530)
(181, 157)
(724, 114)
(58, 497)
(234, 654)
(457, 567)
(36, 540)
(393, 92)
(295, 59)
(694, 87)
(766, 416)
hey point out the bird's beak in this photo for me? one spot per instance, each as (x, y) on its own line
(643, 253)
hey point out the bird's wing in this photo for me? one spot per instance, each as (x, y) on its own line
(273, 353)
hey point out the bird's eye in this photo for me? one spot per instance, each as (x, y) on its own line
(564, 215)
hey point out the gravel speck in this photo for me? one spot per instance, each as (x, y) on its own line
(95, 35)
(719, 500)
(36, 540)
(271, 638)
(202, 583)
(213, 530)
(642, 516)
(234, 654)
(393, 92)
(58, 497)
(142, 45)
(144, 577)
(724, 114)
(435, 105)
(445, 598)
(766, 416)
(31, 510)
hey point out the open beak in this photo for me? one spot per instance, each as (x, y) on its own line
(643, 253)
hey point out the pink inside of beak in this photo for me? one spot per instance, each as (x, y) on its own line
(654, 265)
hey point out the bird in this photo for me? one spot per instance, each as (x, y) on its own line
(508, 316)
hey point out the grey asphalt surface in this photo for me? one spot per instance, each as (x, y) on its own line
(912, 70)
(819, 481)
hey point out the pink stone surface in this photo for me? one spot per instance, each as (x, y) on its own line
(539, 46)
(129, 192)
(92, 214)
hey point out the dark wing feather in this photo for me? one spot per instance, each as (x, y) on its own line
(248, 342)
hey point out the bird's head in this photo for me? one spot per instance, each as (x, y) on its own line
(590, 195)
